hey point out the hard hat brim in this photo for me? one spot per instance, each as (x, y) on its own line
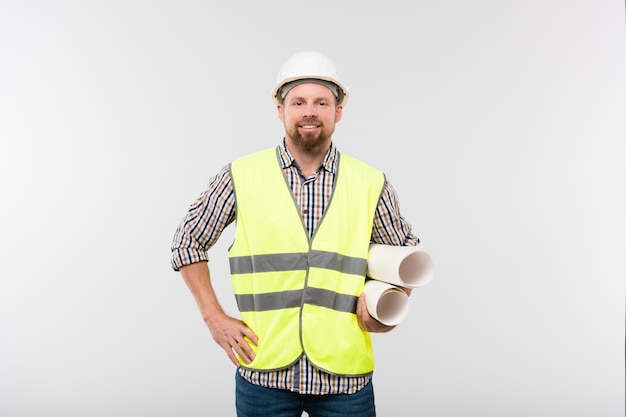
(276, 91)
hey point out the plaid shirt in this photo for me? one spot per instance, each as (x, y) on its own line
(214, 210)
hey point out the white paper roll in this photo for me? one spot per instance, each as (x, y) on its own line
(405, 266)
(387, 303)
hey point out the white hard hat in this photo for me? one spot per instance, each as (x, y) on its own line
(309, 65)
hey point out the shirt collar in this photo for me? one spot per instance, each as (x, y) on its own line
(329, 163)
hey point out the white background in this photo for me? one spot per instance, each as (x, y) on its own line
(500, 123)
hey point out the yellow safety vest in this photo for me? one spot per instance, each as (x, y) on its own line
(297, 294)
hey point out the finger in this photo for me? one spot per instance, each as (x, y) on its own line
(369, 323)
(230, 353)
(248, 333)
(365, 319)
(234, 350)
(245, 350)
(360, 322)
(361, 302)
(360, 313)
(243, 341)
(232, 357)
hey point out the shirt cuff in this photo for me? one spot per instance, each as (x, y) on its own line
(186, 256)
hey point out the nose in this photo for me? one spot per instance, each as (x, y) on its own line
(310, 110)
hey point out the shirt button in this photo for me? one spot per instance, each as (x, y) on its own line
(305, 211)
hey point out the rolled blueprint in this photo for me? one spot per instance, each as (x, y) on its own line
(387, 303)
(405, 266)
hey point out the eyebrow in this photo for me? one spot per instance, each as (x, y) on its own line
(301, 98)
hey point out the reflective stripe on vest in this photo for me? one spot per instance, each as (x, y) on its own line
(298, 261)
(299, 294)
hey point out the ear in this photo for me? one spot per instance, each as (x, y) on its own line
(281, 112)
(338, 113)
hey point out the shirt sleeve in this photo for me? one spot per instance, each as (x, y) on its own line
(204, 221)
(390, 227)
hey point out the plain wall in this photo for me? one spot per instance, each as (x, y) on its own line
(501, 124)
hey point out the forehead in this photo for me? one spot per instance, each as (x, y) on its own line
(311, 91)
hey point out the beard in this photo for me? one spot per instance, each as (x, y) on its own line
(309, 140)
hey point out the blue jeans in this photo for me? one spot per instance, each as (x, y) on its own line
(255, 401)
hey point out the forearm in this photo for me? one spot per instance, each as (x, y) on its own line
(198, 278)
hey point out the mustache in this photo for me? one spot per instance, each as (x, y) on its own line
(310, 120)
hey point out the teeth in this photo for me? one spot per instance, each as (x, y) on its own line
(309, 126)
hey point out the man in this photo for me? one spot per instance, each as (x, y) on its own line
(305, 216)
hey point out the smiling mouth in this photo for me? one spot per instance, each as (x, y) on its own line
(309, 126)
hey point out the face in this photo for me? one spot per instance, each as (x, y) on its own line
(309, 113)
